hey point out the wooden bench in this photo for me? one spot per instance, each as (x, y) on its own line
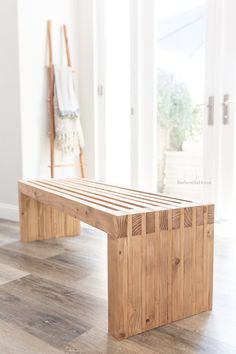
(160, 248)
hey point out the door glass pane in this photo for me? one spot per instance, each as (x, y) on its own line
(180, 96)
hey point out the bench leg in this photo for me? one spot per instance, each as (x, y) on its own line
(117, 288)
(39, 221)
(161, 272)
(134, 279)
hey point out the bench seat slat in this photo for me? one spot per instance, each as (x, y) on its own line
(125, 202)
(91, 197)
(95, 215)
(156, 196)
(119, 193)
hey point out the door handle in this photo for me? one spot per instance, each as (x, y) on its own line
(211, 103)
(226, 108)
(210, 107)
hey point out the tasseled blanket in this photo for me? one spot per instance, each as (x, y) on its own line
(69, 134)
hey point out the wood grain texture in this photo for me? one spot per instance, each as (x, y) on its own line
(117, 287)
(152, 278)
(160, 248)
(39, 221)
(16, 340)
(168, 272)
(135, 269)
(150, 222)
(177, 278)
(8, 274)
(164, 281)
(26, 324)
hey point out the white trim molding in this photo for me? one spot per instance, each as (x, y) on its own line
(143, 95)
(9, 212)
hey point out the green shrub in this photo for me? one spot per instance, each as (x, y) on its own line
(175, 111)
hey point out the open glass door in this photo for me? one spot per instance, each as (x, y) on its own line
(226, 115)
(219, 139)
(196, 101)
(181, 106)
(180, 82)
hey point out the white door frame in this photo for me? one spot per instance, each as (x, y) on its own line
(227, 70)
(212, 88)
(143, 95)
(219, 144)
(99, 89)
(218, 139)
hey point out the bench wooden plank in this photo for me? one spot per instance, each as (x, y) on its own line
(132, 192)
(125, 196)
(160, 248)
(85, 196)
(120, 203)
(39, 221)
(139, 192)
(167, 280)
(97, 216)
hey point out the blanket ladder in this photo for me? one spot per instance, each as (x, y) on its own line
(51, 105)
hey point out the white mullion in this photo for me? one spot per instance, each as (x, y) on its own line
(147, 96)
(213, 88)
(99, 87)
(134, 95)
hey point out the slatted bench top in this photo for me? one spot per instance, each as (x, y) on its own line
(160, 248)
(102, 205)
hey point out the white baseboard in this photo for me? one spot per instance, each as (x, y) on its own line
(9, 212)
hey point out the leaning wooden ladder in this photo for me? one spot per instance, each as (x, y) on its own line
(51, 104)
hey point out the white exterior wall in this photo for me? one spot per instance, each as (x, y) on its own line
(24, 140)
(10, 127)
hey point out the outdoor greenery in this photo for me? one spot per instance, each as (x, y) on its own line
(175, 111)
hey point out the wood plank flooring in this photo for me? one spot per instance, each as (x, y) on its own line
(53, 299)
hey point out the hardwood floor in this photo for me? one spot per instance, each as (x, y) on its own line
(53, 299)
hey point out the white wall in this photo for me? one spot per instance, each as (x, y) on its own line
(33, 16)
(10, 137)
(24, 140)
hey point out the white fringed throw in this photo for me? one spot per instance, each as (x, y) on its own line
(69, 134)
